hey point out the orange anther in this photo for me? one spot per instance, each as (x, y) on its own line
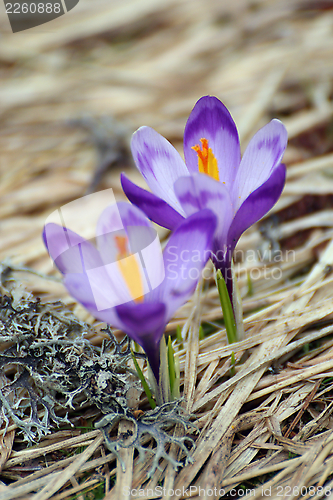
(207, 163)
(121, 243)
(129, 266)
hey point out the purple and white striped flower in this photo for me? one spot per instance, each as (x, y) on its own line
(240, 191)
(126, 281)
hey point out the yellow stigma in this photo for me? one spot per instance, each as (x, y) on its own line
(206, 160)
(130, 269)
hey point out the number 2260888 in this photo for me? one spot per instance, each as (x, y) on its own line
(33, 8)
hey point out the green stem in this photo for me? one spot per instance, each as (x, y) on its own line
(228, 314)
(237, 305)
(164, 376)
(174, 375)
(179, 337)
(143, 382)
(167, 389)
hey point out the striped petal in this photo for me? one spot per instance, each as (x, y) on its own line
(185, 256)
(70, 252)
(159, 163)
(145, 324)
(140, 268)
(263, 154)
(211, 120)
(201, 191)
(257, 204)
(155, 208)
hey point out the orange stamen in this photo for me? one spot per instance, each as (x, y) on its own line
(207, 163)
(121, 243)
(130, 269)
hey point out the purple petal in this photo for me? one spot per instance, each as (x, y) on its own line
(263, 154)
(185, 256)
(82, 264)
(257, 204)
(80, 287)
(201, 191)
(129, 216)
(152, 258)
(155, 208)
(143, 321)
(119, 291)
(159, 163)
(145, 324)
(142, 242)
(120, 219)
(70, 252)
(211, 120)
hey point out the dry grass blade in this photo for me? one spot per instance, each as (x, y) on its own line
(124, 477)
(6, 446)
(60, 479)
(61, 444)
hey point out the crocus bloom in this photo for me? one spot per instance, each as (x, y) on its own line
(239, 191)
(126, 281)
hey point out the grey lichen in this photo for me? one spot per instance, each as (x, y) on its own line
(151, 423)
(48, 368)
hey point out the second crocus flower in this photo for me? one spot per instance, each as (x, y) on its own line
(126, 281)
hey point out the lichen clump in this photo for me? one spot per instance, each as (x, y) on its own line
(48, 368)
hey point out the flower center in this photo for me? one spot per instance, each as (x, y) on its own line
(130, 269)
(207, 162)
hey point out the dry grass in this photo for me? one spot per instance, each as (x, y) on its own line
(147, 62)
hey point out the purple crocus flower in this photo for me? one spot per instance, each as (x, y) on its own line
(126, 281)
(240, 191)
